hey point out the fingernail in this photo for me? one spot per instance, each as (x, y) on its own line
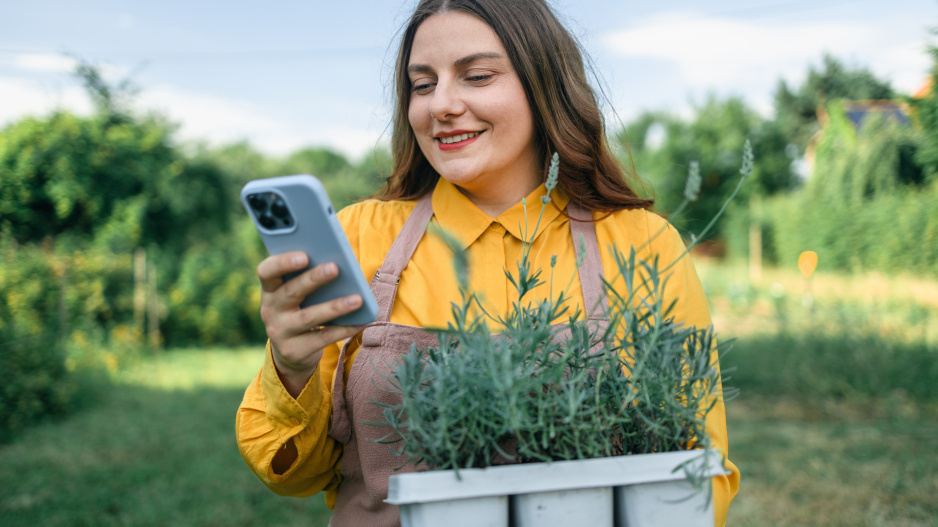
(352, 301)
(329, 269)
(297, 260)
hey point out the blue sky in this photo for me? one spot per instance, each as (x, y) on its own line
(287, 74)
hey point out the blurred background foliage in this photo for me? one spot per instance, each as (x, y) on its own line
(117, 241)
(80, 197)
(110, 227)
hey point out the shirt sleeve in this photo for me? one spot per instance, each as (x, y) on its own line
(269, 418)
(683, 287)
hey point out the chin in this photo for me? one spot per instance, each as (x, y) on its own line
(459, 176)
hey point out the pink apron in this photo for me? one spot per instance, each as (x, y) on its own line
(366, 464)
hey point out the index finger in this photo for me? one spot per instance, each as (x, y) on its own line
(272, 269)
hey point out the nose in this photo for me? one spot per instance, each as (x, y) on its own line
(447, 101)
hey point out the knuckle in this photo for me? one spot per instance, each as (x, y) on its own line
(308, 316)
(265, 269)
(297, 287)
(273, 332)
(266, 314)
(289, 288)
(339, 305)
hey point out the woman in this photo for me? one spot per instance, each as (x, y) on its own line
(486, 91)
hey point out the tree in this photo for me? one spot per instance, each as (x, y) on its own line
(714, 138)
(122, 182)
(115, 177)
(320, 162)
(926, 114)
(796, 109)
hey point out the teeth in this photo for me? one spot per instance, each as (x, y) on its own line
(458, 138)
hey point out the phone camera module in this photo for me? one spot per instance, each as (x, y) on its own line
(267, 220)
(279, 208)
(257, 202)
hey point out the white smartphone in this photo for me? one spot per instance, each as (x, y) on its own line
(294, 213)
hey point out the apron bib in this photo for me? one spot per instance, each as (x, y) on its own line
(366, 464)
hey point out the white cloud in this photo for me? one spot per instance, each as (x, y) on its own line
(44, 62)
(220, 120)
(201, 117)
(749, 56)
(41, 61)
(31, 97)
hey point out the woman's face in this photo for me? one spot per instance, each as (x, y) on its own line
(468, 109)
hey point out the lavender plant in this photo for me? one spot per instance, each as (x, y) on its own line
(548, 385)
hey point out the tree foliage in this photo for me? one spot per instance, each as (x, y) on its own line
(926, 113)
(78, 197)
(796, 108)
(713, 138)
(866, 205)
(120, 182)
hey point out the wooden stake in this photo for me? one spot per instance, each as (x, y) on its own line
(140, 290)
(153, 309)
(755, 239)
(63, 306)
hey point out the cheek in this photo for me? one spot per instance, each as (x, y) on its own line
(518, 114)
(416, 116)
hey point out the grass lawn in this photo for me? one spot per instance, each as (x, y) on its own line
(837, 419)
(833, 464)
(158, 449)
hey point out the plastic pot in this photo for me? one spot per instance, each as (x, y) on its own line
(625, 491)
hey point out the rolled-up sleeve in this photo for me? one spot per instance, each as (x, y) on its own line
(269, 418)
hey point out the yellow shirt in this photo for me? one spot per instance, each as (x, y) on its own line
(269, 416)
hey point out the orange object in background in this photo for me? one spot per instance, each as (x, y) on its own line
(807, 262)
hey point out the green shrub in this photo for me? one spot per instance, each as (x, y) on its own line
(891, 233)
(864, 208)
(216, 297)
(57, 308)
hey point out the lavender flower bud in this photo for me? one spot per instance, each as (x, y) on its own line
(747, 167)
(692, 188)
(552, 172)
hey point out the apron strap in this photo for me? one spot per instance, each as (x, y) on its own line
(384, 283)
(384, 287)
(591, 272)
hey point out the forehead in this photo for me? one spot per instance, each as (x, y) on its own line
(444, 38)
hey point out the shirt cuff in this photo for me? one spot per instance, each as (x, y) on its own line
(287, 415)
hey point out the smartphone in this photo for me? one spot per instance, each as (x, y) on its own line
(294, 213)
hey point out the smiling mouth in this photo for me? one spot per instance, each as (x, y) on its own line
(457, 138)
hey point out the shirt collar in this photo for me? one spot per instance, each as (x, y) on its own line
(467, 221)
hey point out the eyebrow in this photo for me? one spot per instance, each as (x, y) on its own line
(468, 59)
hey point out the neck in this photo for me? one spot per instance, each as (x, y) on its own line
(495, 203)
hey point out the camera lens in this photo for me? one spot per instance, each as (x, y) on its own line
(278, 207)
(267, 221)
(257, 202)
(288, 221)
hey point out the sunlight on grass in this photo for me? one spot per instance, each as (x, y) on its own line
(899, 308)
(192, 369)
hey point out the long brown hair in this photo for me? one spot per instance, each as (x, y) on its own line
(567, 118)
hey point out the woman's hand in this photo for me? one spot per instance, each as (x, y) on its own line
(297, 336)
